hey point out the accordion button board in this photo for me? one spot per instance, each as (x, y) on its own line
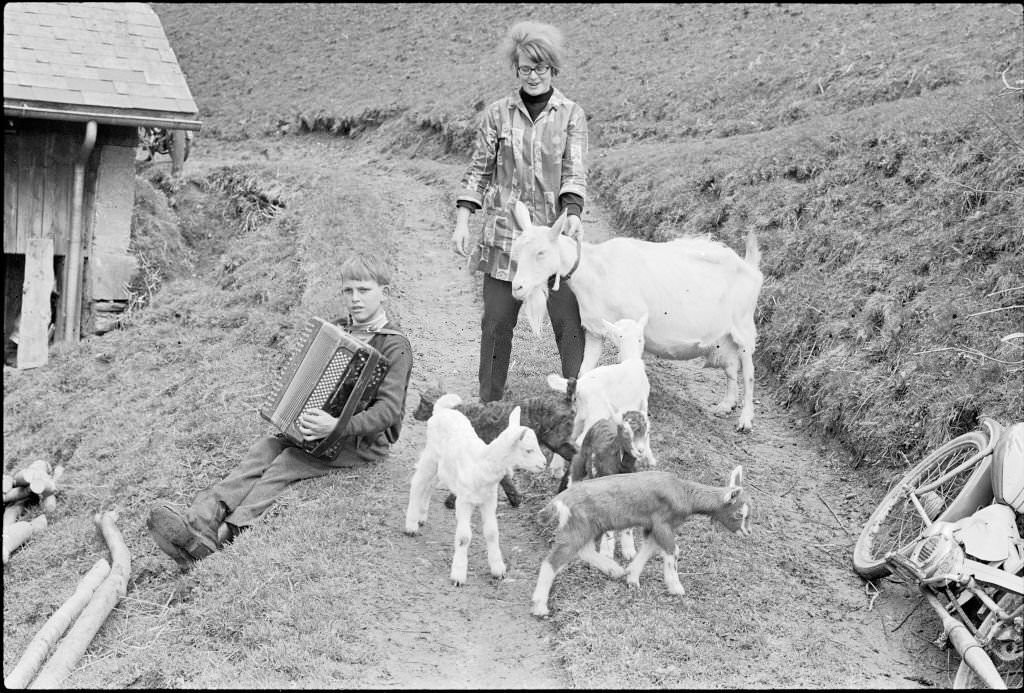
(331, 370)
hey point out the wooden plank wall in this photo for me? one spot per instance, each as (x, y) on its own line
(38, 186)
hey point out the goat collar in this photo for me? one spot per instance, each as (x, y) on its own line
(579, 252)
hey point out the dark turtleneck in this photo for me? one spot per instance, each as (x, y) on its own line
(535, 104)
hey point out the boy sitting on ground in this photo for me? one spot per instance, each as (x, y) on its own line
(220, 512)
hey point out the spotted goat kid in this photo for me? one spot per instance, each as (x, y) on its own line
(659, 502)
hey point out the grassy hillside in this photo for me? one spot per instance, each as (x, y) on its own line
(872, 147)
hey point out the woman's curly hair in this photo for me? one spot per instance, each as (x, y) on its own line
(543, 43)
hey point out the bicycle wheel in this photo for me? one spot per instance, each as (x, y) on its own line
(897, 523)
(1003, 642)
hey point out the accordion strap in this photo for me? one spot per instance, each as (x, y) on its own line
(339, 429)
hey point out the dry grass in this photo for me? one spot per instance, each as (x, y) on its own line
(868, 145)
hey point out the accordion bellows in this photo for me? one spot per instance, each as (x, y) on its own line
(332, 371)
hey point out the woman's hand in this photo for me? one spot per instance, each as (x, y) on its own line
(315, 424)
(573, 227)
(460, 236)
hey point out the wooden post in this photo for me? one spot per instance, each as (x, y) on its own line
(34, 330)
(177, 152)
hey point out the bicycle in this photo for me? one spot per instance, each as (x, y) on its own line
(952, 525)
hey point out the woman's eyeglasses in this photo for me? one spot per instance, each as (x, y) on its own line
(525, 70)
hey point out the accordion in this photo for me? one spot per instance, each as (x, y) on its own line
(331, 370)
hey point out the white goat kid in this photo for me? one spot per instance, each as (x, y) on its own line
(700, 296)
(454, 457)
(657, 501)
(613, 387)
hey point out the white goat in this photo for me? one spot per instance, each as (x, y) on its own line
(657, 501)
(456, 458)
(700, 296)
(613, 387)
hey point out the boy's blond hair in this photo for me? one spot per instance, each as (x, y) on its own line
(362, 267)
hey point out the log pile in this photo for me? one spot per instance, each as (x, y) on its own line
(34, 486)
(81, 616)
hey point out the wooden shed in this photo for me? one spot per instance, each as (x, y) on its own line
(80, 79)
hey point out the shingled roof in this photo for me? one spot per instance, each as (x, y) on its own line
(105, 61)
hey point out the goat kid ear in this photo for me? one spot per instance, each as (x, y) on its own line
(736, 478)
(513, 417)
(558, 383)
(732, 494)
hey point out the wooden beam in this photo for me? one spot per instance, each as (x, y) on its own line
(34, 329)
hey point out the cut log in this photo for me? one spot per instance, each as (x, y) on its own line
(16, 494)
(55, 626)
(20, 532)
(106, 597)
(36, 470)
(12, 513)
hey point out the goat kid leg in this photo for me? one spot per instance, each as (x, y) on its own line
(636, 566)
(489, 520)
(463, 535)
(508, 485)
(558, 557)
(671, 573)
(627, 547)
(423, 480)
(606, 565)
(608, 544)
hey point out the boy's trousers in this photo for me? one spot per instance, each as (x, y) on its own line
(268, 468)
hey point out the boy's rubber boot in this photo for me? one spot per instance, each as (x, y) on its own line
(176, 537)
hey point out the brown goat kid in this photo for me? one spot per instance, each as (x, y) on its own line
(659, 502)
(550, 415)
(611, 446)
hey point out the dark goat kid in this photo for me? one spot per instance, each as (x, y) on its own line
(611, 446)
(549, 414)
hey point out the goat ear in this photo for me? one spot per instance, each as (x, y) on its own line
(736, 478)
(522, 215)
(555, 231)
(513, 417)
(559, 223)
(609, 327)
(558, 383)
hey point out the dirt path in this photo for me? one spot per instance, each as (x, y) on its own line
(822, 626)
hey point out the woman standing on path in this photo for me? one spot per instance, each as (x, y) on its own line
(530, 146)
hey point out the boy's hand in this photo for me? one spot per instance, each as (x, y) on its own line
(315, 424)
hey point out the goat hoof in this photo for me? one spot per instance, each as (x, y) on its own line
(514, 499)
(744, 427)
(633, 584)
(540, 611)
(616, 573)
